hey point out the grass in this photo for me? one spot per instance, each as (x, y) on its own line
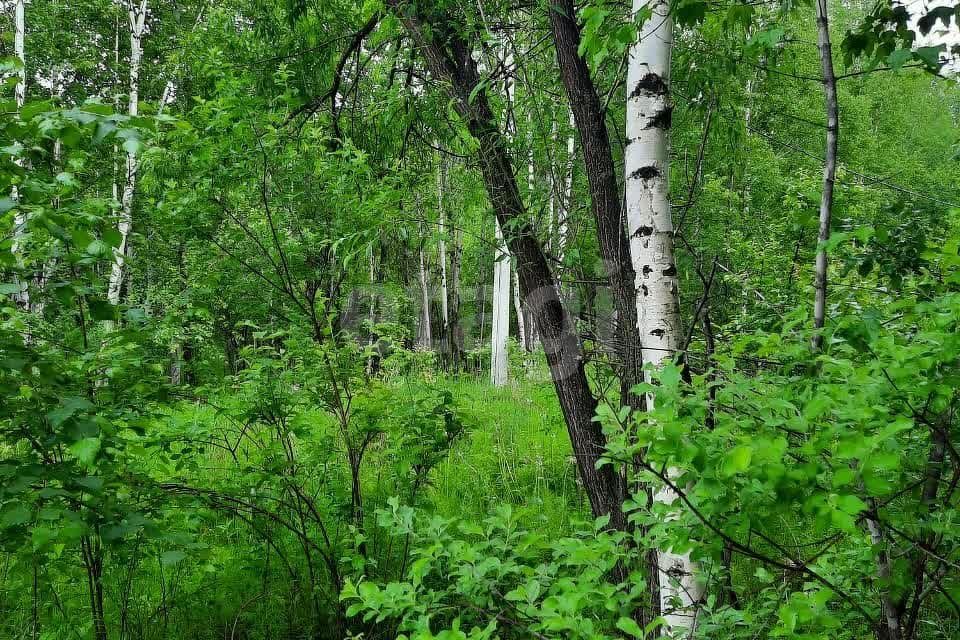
(516, 450)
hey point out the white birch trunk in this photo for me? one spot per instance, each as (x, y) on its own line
(651, 246)
(116, 105)
(501, 312)
(552, 203)
(22, 298)
(137, 18)
(518, 309)
(19, 37)
(566, 205)
(501, 266)
(425, 337)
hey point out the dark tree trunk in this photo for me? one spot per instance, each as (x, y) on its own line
(605, 197)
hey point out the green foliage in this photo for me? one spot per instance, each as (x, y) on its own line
(497, 579)
(250, 446)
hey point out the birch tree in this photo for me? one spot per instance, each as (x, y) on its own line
(136, 17)
(22, 297)
(500, 329)
(566, 202)
(518, 309)
(424, 336)
(650, 225)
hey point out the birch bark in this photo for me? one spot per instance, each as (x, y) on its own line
(650, 226)
(425, 337)
(566, 204)
(501, 311)
(137, 20)
(501, 266)
(518, 309)
(22, 297)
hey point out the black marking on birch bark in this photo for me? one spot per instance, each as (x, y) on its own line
(650, 85)
(647, 270)
(648, 172)
(662, 120)
(658, 333)
(646, 291)
(670, 271)
(643, 232)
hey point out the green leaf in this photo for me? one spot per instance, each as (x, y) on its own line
(68, 407)
(737, 460)
(16, 515)
(690, 13)
(86, 450)
(627, 625)
(899, 57)
(101, 309)
(112, 237)
(929, 56)
(41, 536)
(851, 504)
(132, 146)
(172, 557)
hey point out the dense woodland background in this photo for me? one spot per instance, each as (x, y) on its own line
(479, 319)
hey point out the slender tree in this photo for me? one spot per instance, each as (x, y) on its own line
(425, 334)
(566, 202)
(829, 169)
(500, 332)
(442, 251)
(137, 16)
(500, 328)
(588, 118)
(22, 297)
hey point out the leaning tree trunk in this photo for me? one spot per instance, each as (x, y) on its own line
(588, 118)
(449, 60)
(137, 17)
(829, 170)
(647, 167)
